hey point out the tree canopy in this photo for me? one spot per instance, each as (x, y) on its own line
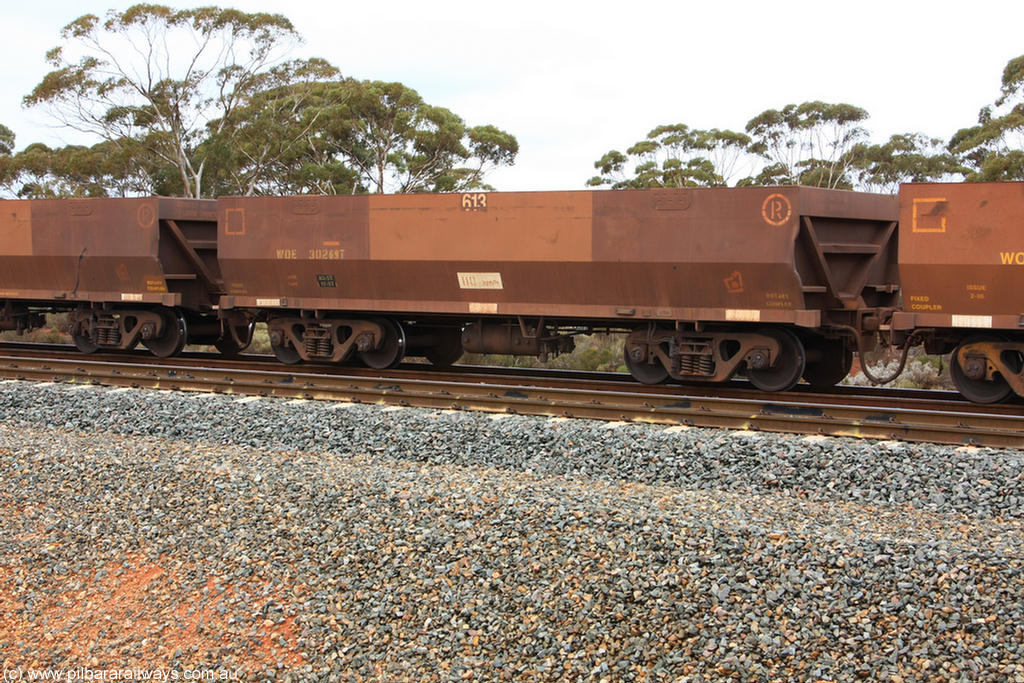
(814, 143)
(201, 102)
(6, 147)
(344, 135)
(994, 148)
(826, 145)
(152, 78)
(675, 156)
(911, 157)
(6, 140)
(809, 143)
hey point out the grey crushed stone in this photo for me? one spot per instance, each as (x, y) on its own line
(426, 545)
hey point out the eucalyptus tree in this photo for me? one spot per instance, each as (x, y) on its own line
(6, 147)
(396, 142)
(272, 143)
(6, 140)
(343, 135)
(807, 144)
(903, 158)
(675, 155)
(994, 148)
(149, 80)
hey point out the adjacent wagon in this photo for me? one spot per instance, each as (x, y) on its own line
(962, 267)
(127, 270)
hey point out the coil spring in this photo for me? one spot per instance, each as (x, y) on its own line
(706, 365)
(318, 341)
(108, 332)
(687, 365)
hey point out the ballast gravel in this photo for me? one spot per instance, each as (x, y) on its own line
(295, 541)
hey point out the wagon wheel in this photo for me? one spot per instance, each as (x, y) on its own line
(391, 351)
(173, 340)
(84, 343)
(229, 346)
(286, 354)
(447, 350)
(789, 365)
(642, 371)
(832, 364)
(980, 390)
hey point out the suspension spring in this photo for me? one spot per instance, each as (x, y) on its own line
(108, 332)
(318, 342)
(687, 364)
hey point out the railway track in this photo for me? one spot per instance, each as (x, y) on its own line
(909, 415)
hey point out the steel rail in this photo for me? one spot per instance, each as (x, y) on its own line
(513, 375)
(917, 419)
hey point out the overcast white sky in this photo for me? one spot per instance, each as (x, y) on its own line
(572, 80)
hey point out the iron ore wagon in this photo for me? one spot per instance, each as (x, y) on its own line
(778, 283)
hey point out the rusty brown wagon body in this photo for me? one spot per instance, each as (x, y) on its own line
(127, 269)
(961, 252)
(698, 267)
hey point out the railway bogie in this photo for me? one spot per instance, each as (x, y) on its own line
(331, 339)
(772, 357)
(987, 368)
(114, 329)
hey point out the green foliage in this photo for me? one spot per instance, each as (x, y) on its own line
(196, 102)
(344, 135)
(825, 145)
(993, 150)
(1013, 81)
(272, 142)
(105, 169)
(770, 174)
(809, 143)
(399, 143)
(150, 79)
(6, 147)
(674, 156)
(910, 157)
(6, 140)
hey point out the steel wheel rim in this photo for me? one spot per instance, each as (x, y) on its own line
(174, 338)
(84, 344)
(391, 351)
(977, 390)
(448, 351)
(645, 373)
(789, 366)
(286, 354)
(229, 347)
(825, 374)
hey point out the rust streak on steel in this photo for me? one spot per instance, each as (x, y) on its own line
(922, 420)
